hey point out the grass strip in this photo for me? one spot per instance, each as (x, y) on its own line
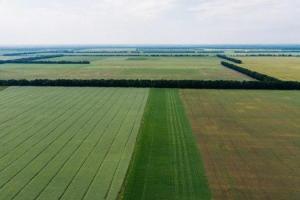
(166, 163)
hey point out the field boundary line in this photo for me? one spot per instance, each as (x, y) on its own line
(137, 119)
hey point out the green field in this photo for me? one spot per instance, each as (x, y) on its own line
(84, 143)
(170, 68)
(166, 164)
(284, 68)
(249, 140)
(67, 143)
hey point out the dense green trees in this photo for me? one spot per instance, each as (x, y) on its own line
(38, 52)
(41, 60)
(252, 74)
(197, 84)
(230, 59)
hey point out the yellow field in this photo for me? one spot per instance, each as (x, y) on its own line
(284, 68)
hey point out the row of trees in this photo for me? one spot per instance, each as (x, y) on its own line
(52, 62)
(253, 74)
(270, 55)
(38, 52)
(196, 84)
(230, 59)
(266, 51)
(41, 60)
(149, 55)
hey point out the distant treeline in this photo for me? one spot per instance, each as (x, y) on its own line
(268, 51)
(268, 55)
(230, 59)
(193, 84)
(137, 52)
(111, 52)
(144, 55)
(39, 60)
(38, 52)
(51, 62)
(252, 74)
(164, 51)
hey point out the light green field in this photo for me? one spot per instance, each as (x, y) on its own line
(284, 68)
(67, 143)
(249, 141)
(171, 68)
(166, 164)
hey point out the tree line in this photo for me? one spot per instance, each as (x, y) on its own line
(149, 55)
(269, 55)
(39, 60)
(252, 74)
(266, 51)
(230, 59)
(192, 84)
(38, 52)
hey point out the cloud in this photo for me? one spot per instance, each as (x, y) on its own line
(248, 11)
(149, 21)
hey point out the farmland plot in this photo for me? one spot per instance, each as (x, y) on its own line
(166, 164)
(249, 140)
(101, 67)
(73, 143)
(284, 68)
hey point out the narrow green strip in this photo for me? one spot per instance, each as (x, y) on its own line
(166, 164)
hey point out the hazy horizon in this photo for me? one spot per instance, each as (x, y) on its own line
(149, 22)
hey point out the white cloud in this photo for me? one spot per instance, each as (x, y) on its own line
(149, 21)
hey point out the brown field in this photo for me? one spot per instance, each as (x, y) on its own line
(249, 140)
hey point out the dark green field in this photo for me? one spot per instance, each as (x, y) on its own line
(166, 164)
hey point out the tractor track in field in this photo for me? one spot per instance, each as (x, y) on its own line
(43, 155)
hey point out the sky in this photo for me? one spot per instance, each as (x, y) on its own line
(52, 22)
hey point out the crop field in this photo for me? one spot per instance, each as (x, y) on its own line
(167, 164)
(284, 68)
(249, 140)
(67, 143)
(170, 68)
(89, 143)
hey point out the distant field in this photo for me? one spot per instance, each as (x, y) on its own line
(167, 164)
(284, 68)
(67, 143)
(249, 140)
(173, 68)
